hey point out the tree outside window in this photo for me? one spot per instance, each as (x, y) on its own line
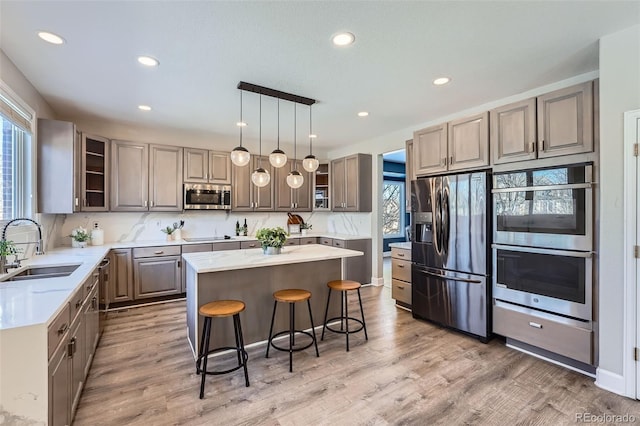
(393, 209)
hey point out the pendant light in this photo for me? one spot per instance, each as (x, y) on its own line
(278, 158)
(260, 177)
(239, 155)
(294, 178)
(310, 162)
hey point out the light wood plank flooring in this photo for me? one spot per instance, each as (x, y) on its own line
(409, 372)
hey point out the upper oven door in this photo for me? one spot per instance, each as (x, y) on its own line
(551, 208)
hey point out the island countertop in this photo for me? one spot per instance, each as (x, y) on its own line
(254, 258)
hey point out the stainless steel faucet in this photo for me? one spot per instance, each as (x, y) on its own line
(39, 244)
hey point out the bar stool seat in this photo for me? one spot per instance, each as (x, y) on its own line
(344, 286)
(291, 296)
(221, 309)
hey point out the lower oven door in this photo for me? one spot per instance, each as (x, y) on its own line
(556, 281)
(452, 299)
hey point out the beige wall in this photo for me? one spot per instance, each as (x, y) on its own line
(619, 92)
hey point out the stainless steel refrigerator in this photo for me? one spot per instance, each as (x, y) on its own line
(451, 252)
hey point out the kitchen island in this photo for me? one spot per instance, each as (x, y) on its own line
(253, 277)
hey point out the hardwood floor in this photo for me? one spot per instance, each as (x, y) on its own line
(409, 372)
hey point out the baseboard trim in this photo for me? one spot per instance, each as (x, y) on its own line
(377, 281)
(611, 382)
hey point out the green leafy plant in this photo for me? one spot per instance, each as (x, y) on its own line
(272, 237)
(80, 234)
(8, 248)
(306, 226)
(168, 230)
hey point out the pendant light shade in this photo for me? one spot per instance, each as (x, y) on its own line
(239, 155)
(278, 158)
(294, 178)
(260, 177)
(310, 162)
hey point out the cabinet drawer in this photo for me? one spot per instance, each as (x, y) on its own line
(75, 304)
(292, 242)
(325, 241)
(156, 251)
(401, 270)
(400, 253)
(58, 329)
(562, 336)
(401, 291)
(339, 243)
(90, 283)
(234, 245)
(308, 240)
(197, 248)
(249, 244)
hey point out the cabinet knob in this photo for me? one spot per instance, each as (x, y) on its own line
(451, 160)
(533, 147)
(151, 203)
(543, 145)
(401, 254)
(158, 252)
(145, 203)
(535, 324)
(400, 287)
(77, 202)
(400, 266)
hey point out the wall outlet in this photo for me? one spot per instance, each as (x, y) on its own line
(95, 224)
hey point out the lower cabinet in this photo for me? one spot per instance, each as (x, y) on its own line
(120, 276)
(60, 387)
(156, 271)
(355, 268)
(92, 327)
(401, 276)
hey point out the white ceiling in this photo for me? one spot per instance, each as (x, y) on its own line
(490, 50)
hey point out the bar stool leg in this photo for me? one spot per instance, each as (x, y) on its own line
(364, 324)
(205, 353)
(202, 339)
(244, 361)
(273, 317)
(313, 330)
(237, 336)
(326, 310)
(346, 316)
(291, 333)
(342, 319)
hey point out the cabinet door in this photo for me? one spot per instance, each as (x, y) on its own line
(513, 132)
(165, 178)
(129, 176)
(322, 191)
(94, 173)
(430, 150)
(241, 189)
(60, 388)
(121, 276)
(196, 165)
(565, 121)
(338, 179)
(468, 142)
(303, 196)
(283, 192)
(219, 168)
(78, 360)
(264, 198)
(92, 328)
(352, 184)
(156, 276)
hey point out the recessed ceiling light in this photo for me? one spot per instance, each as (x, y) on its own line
(363, 114)
(144, 107)
(148, 61)
(50, 37)
(241, 124)
(343, 39)
(440, 81)
(313, 136)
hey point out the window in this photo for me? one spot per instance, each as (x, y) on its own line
(15, 158)
(393, 209)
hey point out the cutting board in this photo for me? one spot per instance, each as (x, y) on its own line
(294, 219)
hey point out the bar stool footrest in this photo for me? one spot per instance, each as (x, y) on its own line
(355, 330)
(245, 358)
(286, 333)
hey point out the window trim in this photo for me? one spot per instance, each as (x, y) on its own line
(402, 224)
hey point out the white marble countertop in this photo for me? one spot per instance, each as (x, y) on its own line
(402, 245)
(254, 258)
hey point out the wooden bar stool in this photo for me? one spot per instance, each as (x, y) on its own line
(344, 286)
(291, 296)
(221, 309)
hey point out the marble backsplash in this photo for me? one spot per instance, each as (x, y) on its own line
(131, 227)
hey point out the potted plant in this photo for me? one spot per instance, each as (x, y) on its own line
(7, 248)
(304, 228)
(80, 237)
(272, 239)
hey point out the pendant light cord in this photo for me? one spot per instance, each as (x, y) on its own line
(310, 133)
(278, 123)
(241, 122)
(295, 132)
(260, 133)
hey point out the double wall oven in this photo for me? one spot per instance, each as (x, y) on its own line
(543, 242)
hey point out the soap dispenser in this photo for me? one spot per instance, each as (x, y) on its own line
(97, 235)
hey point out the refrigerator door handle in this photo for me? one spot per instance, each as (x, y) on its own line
(445, 221)
(437, 222)
(444, 277)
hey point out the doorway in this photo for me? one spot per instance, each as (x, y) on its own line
(394, 213)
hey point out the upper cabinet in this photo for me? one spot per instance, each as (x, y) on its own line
(146, 178)
(287, 198)
(322, 189)
(457, 145)
(351, 183)
(204, 166)
(245, 196)
(554, 124)
(73, 169)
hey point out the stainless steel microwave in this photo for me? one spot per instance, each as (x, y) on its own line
(207, 197)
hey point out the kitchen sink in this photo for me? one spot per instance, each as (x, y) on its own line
(40, 272)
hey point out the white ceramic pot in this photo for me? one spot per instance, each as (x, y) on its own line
(272, 250)
(78, 244)
(177, 235)
(304, 232)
